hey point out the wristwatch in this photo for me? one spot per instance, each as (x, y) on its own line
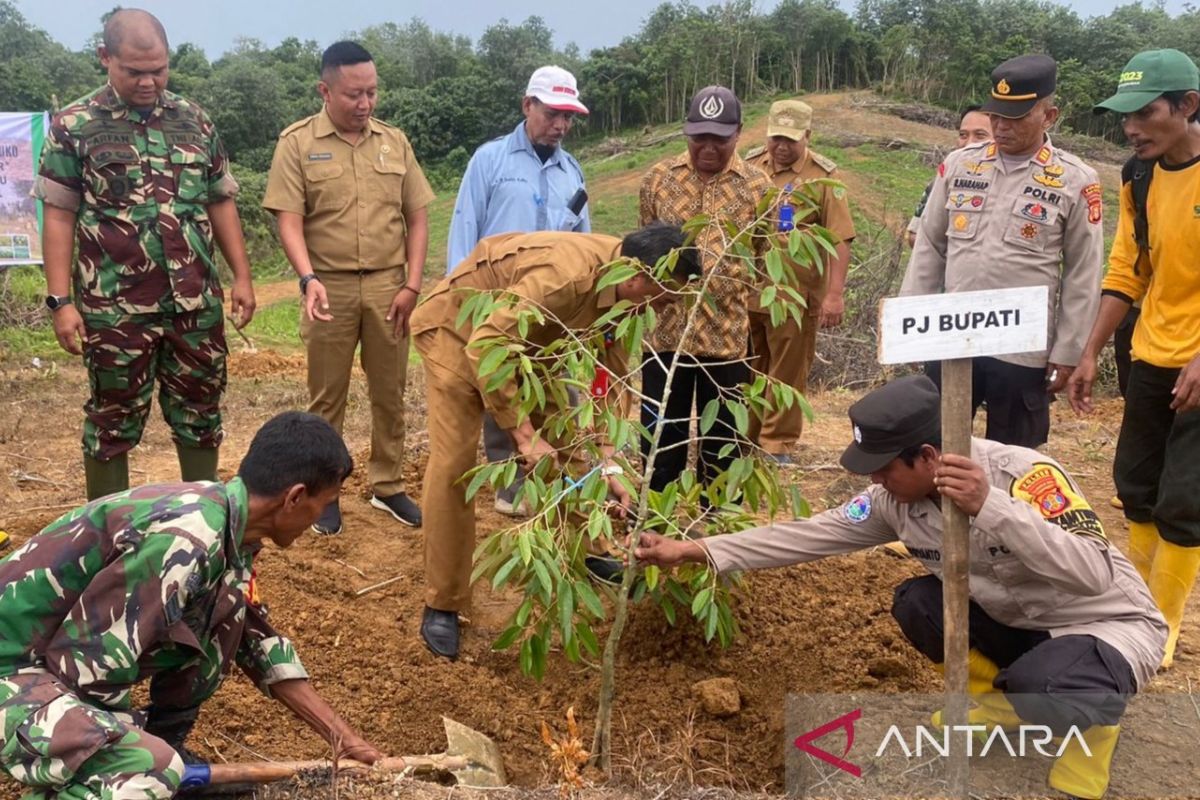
(306, 280)
(56, 301)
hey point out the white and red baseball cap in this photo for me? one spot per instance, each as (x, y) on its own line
(555, 87)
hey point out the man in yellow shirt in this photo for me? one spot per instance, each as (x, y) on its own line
(1156, 469)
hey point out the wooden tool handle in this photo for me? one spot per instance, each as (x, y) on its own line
(266, 771)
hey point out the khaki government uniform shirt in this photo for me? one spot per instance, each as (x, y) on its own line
(1039, 557)
(989, 225)
(673, 192)
(552, 270)
(353, 197)
(832, 210)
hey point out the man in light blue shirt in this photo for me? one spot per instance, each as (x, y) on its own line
(522, 182)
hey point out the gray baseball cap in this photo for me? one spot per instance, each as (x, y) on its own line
(715, 110)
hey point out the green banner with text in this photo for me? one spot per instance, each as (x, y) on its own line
(21, 136)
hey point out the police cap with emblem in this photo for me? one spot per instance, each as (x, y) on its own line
(1019, 83)
(894, 417)
(714, 110)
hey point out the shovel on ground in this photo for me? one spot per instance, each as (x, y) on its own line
(472, 758)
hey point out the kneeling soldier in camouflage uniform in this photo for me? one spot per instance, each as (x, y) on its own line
(1062, 629)
(157, 582)
(140, 177)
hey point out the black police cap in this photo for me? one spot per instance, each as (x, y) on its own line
(896, 416)
(1019, 83)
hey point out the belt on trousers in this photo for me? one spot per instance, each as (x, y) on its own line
(358, 272)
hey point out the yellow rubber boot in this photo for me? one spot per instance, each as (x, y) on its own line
(1171, 579)
(1143, 542)
(991, 706)
(1079, 775)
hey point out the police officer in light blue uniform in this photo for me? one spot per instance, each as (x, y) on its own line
(523, 182)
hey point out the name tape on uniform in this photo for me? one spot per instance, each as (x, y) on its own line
(938, 327)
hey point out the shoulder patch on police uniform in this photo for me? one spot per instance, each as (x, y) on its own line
(1047, 488)
(858, 509)
(825, 163)
(1094, 197)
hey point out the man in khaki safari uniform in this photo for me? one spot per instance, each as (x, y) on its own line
(785, 351)
(351, 203)
(557, 272)
(1017, 212)
(1062, 629)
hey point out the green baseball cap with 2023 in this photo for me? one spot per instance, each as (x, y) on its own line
(1147, 76)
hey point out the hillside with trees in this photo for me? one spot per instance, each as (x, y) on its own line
(450, 94)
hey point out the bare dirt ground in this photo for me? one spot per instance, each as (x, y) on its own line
(821, 627)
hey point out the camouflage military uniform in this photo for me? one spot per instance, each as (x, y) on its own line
(146, 282)
(149, 583)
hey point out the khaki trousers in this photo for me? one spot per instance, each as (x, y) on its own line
(455, 418)
(786, 354)
(359, 305)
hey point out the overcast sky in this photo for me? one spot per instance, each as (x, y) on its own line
(215, 24)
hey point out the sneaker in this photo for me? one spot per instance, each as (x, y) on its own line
(605, 569)
(504, 505)
(330, 521)
(399, 506)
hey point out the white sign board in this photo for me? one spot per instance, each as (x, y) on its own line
(938, 327)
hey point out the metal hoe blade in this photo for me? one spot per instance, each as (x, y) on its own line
(484, 768)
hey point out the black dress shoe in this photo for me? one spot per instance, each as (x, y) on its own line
(439, 629)
(330, 521)
(399, 506)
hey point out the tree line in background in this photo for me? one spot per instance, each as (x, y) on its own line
(450, 94)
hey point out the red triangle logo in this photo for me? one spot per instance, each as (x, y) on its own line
(804, 742)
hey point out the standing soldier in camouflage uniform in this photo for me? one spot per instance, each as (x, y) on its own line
(786, 351)
(1017, 212)
(157, 583)
(140, 176)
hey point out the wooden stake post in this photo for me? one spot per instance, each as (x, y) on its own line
(953, 329)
